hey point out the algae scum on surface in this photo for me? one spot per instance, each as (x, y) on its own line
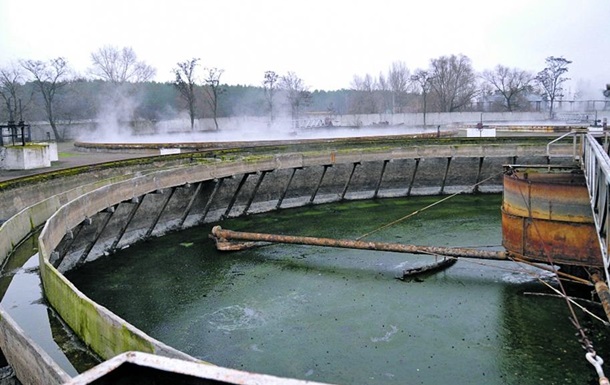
(339, 315)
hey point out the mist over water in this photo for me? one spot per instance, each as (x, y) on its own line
(116, 106)
(239, 130)
(116, 123)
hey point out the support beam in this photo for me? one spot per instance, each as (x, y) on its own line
(315, 192)
(222, 235)
(189, 206)
(413, 177)
(385, 163)
(256, 187)
(206, 209)
(136, 205)
(66, 248)
(445, 176)
(349, 180)
(97, 236)
(279, 202)
(165, 202)
(234, 198)
(476, 184)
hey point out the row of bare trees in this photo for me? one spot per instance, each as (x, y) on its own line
(290, 86)
(119, 67)
(450, 84)
(186, 81)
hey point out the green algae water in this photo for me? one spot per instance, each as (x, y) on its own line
(339, 315)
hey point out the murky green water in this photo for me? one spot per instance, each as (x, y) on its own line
(338, 315)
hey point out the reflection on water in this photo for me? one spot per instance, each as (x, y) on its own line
(339, 315)
(22, 298)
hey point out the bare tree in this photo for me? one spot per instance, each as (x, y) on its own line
(453, 82)
(120, 66)
(185, 83)
(297, 94)
(383, 93)
(11, 86)
(270, 86)
(363, 96)
(213, 90)
(423, 80)
(398, 78)
(49, 78)
(551, 79)
(511, 83)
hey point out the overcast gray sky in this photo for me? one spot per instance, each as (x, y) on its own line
(325, 42)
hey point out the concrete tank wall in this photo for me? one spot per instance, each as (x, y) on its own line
(32, 365)
(123, 186)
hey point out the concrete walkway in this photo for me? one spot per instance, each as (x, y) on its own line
(70, 156)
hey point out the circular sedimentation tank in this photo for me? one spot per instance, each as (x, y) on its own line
(339, 315)
(150, 197)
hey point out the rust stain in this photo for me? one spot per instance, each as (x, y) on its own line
(554, 197)
(549, 214)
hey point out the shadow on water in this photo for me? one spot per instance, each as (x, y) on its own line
(537, 344)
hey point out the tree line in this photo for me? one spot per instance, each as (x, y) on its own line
(119, 85)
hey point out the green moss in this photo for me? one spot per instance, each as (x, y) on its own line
(104, 337)
(29, 145)
(66, 155)
(252, 153)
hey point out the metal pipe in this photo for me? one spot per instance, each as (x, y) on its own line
(227, 235)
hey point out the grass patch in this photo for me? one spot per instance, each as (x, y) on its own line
(66, 154)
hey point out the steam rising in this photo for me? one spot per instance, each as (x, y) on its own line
(116, 124)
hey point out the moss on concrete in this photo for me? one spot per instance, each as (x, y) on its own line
(91, 322)
(251, 152)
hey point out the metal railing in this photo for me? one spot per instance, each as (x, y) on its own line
(595, 163)
(13, 133)
(576, 149)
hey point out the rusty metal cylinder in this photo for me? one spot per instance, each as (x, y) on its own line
(547, 214)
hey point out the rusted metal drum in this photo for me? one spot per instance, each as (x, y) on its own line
(546, 215)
